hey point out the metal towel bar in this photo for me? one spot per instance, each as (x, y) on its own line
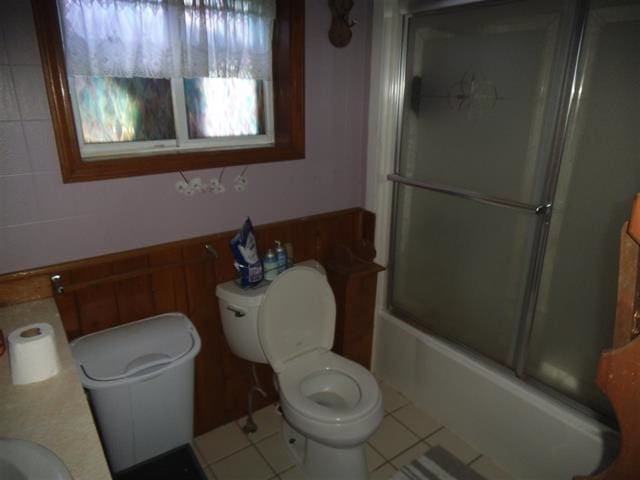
(59, 288)
(541, 209)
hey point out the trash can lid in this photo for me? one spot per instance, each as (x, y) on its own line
(128, 351)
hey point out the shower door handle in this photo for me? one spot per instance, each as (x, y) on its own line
(544, 209)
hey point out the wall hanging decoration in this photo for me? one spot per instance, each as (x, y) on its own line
(215, 184)
(196, 185)
(240, 183)
(188, 187)
(340, 31)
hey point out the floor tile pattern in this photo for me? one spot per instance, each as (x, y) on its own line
(406, 432)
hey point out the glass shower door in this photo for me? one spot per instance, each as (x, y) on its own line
(599, 177)
(481, 89)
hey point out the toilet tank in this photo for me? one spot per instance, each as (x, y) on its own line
(239, 314)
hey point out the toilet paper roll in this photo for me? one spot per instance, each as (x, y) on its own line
(33, 354)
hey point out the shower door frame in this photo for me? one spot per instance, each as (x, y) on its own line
(384, 156)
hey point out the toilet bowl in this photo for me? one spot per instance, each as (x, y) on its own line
(331, 404)
(325, 393)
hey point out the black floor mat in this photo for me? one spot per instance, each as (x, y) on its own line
(177, 464)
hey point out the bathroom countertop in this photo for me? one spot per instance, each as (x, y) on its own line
(54, 412)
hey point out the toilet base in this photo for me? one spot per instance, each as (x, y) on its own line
(322, 462)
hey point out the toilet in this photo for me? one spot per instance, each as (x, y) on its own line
(331, 405)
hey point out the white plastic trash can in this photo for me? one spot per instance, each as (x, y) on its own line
(140, 382)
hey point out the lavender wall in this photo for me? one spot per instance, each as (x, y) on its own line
(43, 221)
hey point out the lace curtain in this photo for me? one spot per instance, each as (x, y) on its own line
(168, 38)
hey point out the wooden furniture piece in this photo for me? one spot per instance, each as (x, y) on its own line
(619, 369)
(354, 277)
(110, 290)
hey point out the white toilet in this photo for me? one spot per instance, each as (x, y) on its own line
(331, 405)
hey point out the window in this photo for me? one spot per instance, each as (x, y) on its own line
(148, 86)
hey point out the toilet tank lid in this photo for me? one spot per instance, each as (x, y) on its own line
(231, 292)
(132, 351)
(234, 294)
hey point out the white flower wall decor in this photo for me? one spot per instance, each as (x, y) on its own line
(196, 185)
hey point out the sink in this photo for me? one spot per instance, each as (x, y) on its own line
(24, 460)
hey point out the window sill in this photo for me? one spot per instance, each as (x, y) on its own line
(101, 168)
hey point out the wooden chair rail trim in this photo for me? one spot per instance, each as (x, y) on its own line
(127, 254)
(34, 284)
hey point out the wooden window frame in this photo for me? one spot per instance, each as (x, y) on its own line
(288, 98)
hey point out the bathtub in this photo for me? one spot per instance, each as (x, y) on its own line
(527, 432)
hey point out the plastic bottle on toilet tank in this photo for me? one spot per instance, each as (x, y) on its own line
(270, 265)
(281, 257)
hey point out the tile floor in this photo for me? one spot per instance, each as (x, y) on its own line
(406, 432)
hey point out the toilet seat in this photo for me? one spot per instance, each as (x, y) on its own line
(297, 316)
(326, 363)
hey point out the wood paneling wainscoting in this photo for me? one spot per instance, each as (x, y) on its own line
(110, 290)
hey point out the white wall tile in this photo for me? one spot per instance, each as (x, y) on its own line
(8, 103)
(17, 200)
(19, 244)
(20, 38)
(32, 98)
(53, 198)
(14, 157)
(71, 237)
(90, 197)
(41, 144)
